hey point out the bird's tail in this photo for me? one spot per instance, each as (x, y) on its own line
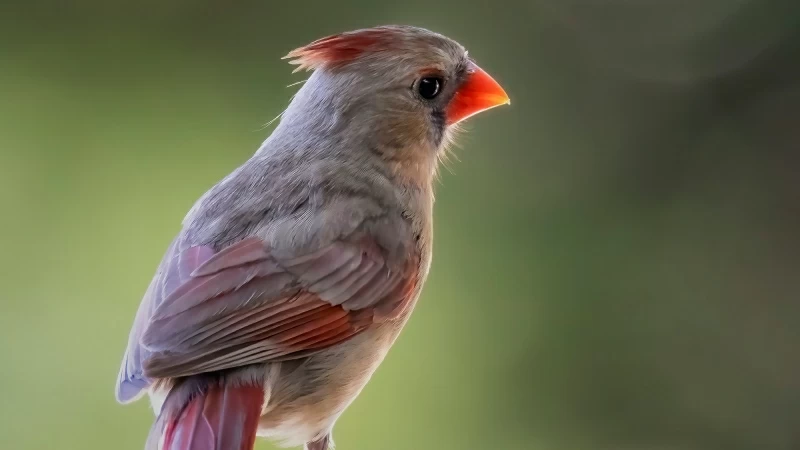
(220, 417)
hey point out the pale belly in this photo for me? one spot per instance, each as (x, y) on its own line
(308, 397)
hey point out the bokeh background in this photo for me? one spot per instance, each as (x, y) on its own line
(616, 259)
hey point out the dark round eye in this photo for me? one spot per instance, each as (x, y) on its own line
(429, 87)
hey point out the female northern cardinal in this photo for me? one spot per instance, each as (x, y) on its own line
(293, 276)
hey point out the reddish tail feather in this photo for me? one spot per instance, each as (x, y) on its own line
(222, 418)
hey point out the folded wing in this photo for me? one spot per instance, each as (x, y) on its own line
(207, 311)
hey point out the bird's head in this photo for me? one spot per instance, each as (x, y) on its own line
(397, 90)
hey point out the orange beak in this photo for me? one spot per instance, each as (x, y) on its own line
(477, 93)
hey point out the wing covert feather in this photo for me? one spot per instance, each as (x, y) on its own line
(207, 310)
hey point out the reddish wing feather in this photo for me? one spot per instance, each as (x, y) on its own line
(242, 306)
(131, 380)
(247, 251)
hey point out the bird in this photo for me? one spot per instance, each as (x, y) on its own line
(292, 276)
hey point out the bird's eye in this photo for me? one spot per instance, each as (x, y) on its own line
(429, 87)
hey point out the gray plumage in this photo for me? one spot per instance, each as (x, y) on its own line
(296, 272)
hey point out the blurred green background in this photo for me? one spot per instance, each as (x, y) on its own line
(616, 255)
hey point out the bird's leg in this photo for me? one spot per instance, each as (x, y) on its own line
(323, 443)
